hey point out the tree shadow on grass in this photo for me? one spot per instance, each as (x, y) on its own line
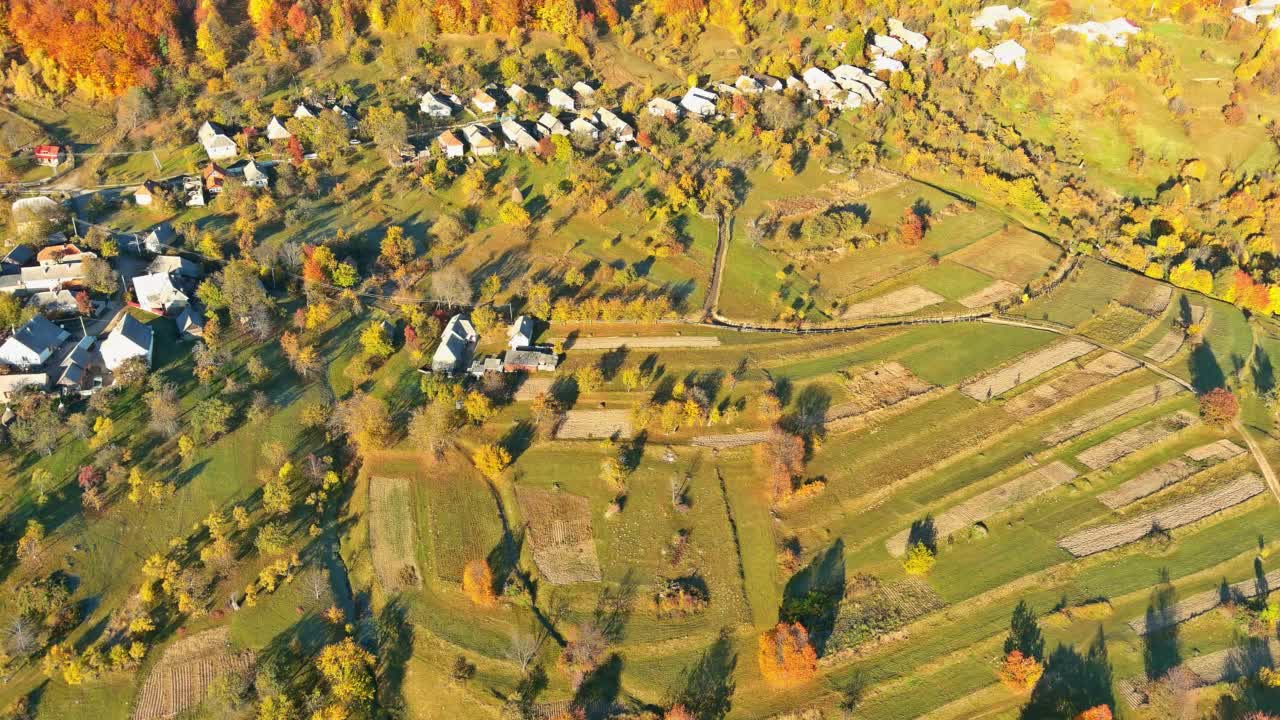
(599, 690)
(709, 684)
(1206, 373)
(1161, 649)
(519, 438)
(923, 532)
(1024, 633)
(1072, 682)
(613, 608)
(395, 647)
(1264, 373)
(812, 596)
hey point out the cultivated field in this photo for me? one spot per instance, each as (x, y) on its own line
(178, 681)
(1135, 439)
(393, 537)
(587, 424)
(1025, 369)
(561, 536)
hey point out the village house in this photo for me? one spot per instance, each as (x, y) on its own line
(190, 323)
(886, 45)
(485, 102)
(1006, 53)
(521, 95)
(217, 142)
(586, 94)
(78, 369)
(160, 237)
(11, 385)
(55, 304)
(48, 155)
(529, 360)
(549, 125)
(884, 63)
(520, 334)
(276, 130)
(1115, 31)
(255, 176)
(699, 102)
(32, 344)
(18, 257)
(519, 138)
(130, 339)
(303, 112)
(481, 141)
(37, 211)
(1256, 11)
(584, 127)
(457, 340)
(663, 108)
(993, 17)
(193, 191)
(175, 266)
(63, 252)
(856, 80)
(768, 83)
(433, 105)
(51, 277)
(146, 193)
(819, 83)
(621, 130)
(345, 116)
(917, 41)
(482, 365)
(748, 85)
(451, 145)
(214, 178)
(561, 100)
(157, 293)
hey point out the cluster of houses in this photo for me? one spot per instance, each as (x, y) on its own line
(197, 190)
(458, 343)
(42, 355)
(46, 275)
(1254, 12)
(1010, 53)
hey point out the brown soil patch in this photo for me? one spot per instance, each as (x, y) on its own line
(1154, 302)
(532, 387)
(1025, 369)
(564, 547)
(1170, 473)
(880, 387)
(179, 680)
(984, 505)
(588, 424)
(1105, 537)
(993, 293)
(1064, 388)
(1095, 419)
(903, 301)
(1134, 439)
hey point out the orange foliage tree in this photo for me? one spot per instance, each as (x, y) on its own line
(1019, 671)
(911, 230)
(1097, 712)
(105, 48)
(477, 583)
(678, 712)
(785, 655)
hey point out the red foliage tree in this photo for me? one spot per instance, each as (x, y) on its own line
(295, 150)
(1219, 407)
(911, 229)
(110, 46)
(297, 21)
(88, 477)
(678, 712)
(1249, 293)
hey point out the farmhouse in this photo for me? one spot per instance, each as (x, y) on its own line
(48, 155)
(193, 190)
(435, 106)
(884, 63)
(529, 360)
(917, 41)
(276, 130)
(549, 125)
(1258, 10)
(520, 95)
(886, 45)
(451, 145)
(585, 92)
(664, 108)
(303, 112)
(857, 80)
(1116, 31)
(218, 145)
(51, 277)
(214, 178)
(160, 237)
(11, 385)
(818, 82)
(32, 344)
(130, 338)
(77, 368)
(157, 293)
(55, 303)
(146, 193)
(64, 252)
(190, 323)
(34, 211)
(456, 343)
(255, 176)
(18, 257)
(174, 265)
(484, 102)
(993, 17)
(481, 142)
(480, 366)
(619, 127)
(699, 102)
(1006, 53)
(748, 84)
(561, 100)
(520, 334)
(518, 136)
(346, 116)
(584, 127)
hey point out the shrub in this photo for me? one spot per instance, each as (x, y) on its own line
(679, 597)
(919, 560)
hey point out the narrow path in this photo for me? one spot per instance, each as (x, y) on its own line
(717, 269)
(1259, 458)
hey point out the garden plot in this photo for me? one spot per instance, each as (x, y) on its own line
(532, 387)
(1106, 537)
(1169, 473)
(465, 521)
(993, 293)
(1024, 370)
(392, 535)
(645, 342)
(1134, 439)
(180, 679)
(724, 441)
(1201, 603)
(879, 387)
(1169, 345)
(903, 301)
(564, 547)
(588, 424)
(1209, 669)
(1064, 388)
(1095, 419)
(984, 505)
(872, 608)
(1153, 302)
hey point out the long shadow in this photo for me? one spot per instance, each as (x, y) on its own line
(709, 684)
(1206, 373)
(1161, 648)
(395, 647)
(809, 413)
(1072, 683)
(1264, 373)
(598, 692)
(519, 438)
(613, 608)
(504, 557)
(923, 532)
(812, 596)
(1024, 633)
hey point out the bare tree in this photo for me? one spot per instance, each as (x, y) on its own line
(451, 286)
(21, 636)
(523, 650)
(317, 585)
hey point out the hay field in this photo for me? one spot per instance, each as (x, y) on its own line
(179, 680)
(564, 546)
(1106, 537)
(1202, 603)
(1013, 254)
(903, 301)
(393, 536)
(993, 293)
(982, 506)
(1025, 369)
(589, 424)
(1169, 473)
(1065, 387)
(1096, 418)
(644, 342)
(1134, 439)
(464, 519)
